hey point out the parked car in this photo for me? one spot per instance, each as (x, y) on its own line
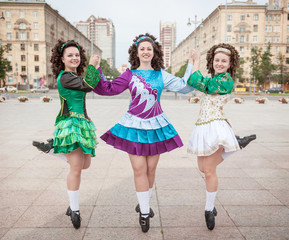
(274, 90)
(9, 89)
(39, 90)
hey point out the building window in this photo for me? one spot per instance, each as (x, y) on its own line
(229, 28)
(276, 39)
(8, 24)
(242, 39)
(9, 47)
(36, 47)
(255, 28)
(229, 17)
(21, 14)
(277, 49)
(35, 14)
(241, 49)
(228, 38)
(9, 36)
(23, 59)
(256, 16)
(268, 39)
(36, 58)
(287, 60)
(242, 28)
(255, 38)
(35, 25)
(287, 39)
(22, 47)
(242, 17)
(22, 36)
(23, 68)
(36, 68)
(287, 49)
(288, 17)
(287, 28)
(35, 36)
(8, 14)
(276, 28)
(9, 58)
(10, 79)
(22, 26)
(268, 28)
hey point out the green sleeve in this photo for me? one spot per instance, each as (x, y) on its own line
(220, 84)
(92, 76)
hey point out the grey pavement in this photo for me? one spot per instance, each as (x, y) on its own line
(252, 201)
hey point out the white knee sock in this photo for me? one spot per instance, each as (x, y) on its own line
(210, 200)
(151, 192)
(144, 201)
(73, 200)
(59, 155)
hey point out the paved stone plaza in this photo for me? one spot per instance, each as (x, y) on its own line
(252, 201)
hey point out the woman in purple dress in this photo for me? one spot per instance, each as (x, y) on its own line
(144, 131)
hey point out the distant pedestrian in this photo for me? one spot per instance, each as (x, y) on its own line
(213, 139)
(74, 135)
(6, 94)
(144, 131)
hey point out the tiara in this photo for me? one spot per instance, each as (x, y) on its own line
(225, 50)
(64, 44)
(142, 38)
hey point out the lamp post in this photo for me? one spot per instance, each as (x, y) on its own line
(92, 28)
(195, 30)
(2, 18)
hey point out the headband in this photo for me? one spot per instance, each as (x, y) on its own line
(64, 44)
(225, 50)
(142, 38)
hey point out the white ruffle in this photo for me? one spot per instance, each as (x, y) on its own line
(131, 121)
(206, 139)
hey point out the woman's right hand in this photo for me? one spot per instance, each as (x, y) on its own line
(195, 55)
(94, 61)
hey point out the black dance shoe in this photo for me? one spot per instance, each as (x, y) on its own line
(243, 142)
(44, 147)
(75, 217)
(137, 209)
(210, 218)
(144, 221)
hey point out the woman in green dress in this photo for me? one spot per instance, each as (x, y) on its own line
(74, 133)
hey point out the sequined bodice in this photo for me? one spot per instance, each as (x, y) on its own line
(212, 108)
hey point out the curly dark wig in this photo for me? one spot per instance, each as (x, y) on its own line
(157, 61)
(57, 54)
(234, 59)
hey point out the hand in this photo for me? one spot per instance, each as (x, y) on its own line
(94, 61)
(195, 56)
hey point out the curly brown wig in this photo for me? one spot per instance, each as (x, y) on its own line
(157, 61)
(234, 59)
(57, 54)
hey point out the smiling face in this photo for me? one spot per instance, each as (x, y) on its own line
(71, 59)
(145, 52)
(221, 63)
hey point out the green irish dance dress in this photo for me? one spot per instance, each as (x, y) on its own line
(74, 128)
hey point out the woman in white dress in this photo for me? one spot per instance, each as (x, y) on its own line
(213, 139)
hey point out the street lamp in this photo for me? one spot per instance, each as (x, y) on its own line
(195, 30)
(2, 18)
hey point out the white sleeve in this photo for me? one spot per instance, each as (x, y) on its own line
(176, 84)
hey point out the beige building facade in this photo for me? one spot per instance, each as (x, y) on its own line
(245, 25)
(30, 29)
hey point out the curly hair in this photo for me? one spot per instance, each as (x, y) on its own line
(234, 59)
(157, 61)
(57, 54)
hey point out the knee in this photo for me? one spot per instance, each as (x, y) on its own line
(138, 172)
(76, 172)
(86, 166)
(208, 172)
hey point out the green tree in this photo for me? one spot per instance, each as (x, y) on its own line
(266, 66)
(256, 54)
(109, 73)
(4, 65)
(240, 71)
(182, 70)
(169, 70)
(282, 76)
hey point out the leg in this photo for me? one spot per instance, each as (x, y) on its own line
(87, 161)
(152, 162)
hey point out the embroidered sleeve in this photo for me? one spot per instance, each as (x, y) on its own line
(70, 80)
(114, 87)
(220, 84)
(176, 84)
(92, 76)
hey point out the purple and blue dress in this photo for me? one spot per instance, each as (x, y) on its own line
(144, 129)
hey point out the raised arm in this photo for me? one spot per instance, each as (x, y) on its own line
(115, 87)
(70, 80)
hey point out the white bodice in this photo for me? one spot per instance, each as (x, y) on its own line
(212, 108)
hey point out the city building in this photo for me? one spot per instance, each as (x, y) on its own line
(245, 25)
(168, 41)
(102, 31)
(30, 29)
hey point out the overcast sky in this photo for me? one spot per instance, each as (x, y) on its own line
(133, 17)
